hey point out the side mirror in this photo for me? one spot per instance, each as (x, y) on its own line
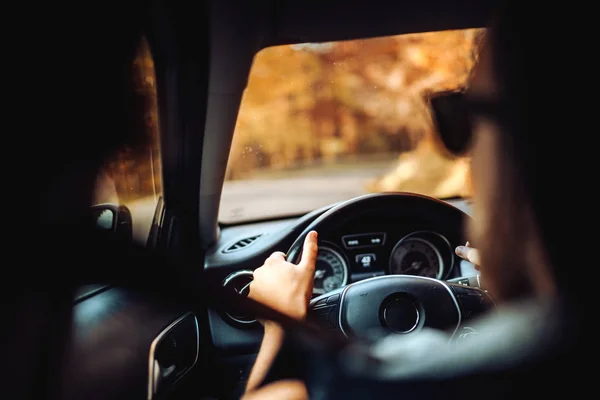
(115, 218)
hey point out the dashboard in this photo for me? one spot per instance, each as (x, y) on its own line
(178, 345)
(372, 243)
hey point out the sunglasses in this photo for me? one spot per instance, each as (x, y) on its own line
(452, 114)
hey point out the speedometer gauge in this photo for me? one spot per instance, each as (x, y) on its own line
(331, 271)
(416, 256)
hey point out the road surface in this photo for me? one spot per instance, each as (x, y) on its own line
(277, 193)
(281, 193)
(298, 191)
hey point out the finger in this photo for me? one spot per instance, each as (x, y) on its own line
(309, 251)
(283, 389)
(278, 255)
(473, 256)
(468, 253)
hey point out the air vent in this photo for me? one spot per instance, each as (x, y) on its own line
(240, 244)
(239, 281)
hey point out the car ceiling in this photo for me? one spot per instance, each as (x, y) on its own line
(314, 21)
(239, 29)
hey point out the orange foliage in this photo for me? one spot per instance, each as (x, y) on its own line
(322, 102)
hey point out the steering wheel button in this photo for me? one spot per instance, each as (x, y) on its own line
(333, 299)
(323, 310)
(333, 317)
(473, 304)
(321, 303)
(459, 290)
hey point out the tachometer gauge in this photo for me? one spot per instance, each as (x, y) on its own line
(416, 256)
(331, 271)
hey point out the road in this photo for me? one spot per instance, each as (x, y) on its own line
(299, 192)
(278, 193)
(281, 193)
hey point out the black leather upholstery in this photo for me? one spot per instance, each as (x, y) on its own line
(111, 336)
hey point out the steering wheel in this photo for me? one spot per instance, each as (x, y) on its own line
(392, 303)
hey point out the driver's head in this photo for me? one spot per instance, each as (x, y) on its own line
(521, 158)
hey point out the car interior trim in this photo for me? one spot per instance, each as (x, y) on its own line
(156, 342)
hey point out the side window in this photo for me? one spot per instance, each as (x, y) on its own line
(132, 176)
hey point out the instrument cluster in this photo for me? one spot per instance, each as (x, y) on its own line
(361, 256)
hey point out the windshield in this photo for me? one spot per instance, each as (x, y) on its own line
(322, 123)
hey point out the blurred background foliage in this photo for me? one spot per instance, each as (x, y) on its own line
(333, 102)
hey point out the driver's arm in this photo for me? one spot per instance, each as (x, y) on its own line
(287, 288)
(269, 348)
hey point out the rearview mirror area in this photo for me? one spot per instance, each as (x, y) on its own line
(114, 218)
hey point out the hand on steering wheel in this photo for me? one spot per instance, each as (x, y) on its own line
(287, 287)
(468, 253)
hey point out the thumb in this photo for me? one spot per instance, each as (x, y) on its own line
(309, 251)
(468, 253)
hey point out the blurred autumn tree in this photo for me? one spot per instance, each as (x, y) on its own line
(323, 102)
(134, 171)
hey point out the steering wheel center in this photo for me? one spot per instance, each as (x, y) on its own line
(400, 314)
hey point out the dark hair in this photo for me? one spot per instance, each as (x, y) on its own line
(540, 122)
